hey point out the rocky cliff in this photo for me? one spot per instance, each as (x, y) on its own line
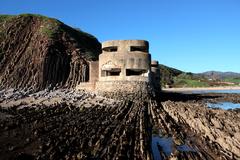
(37, 52)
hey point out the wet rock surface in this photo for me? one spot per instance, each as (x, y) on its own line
(70, 124)
(217, 129)
(65, 124)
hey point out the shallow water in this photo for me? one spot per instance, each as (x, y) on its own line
(165, 143)
(216, 91)
(185, 148)
(167, 146)
(224, 105)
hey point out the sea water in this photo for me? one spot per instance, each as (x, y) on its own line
(167, 146)
(215, 91)
(224, 105)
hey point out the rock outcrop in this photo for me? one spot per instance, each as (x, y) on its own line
(37, 52)
(67, 124)
(70, 124)
(218, 129)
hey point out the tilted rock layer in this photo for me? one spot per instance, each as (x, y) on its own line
(36, 51)
(71, 124)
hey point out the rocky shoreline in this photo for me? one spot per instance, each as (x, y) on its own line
(70, 124)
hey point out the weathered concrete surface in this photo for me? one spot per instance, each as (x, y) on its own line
(122, 59)
(122, 63)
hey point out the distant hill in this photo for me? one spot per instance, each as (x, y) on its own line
(171, 77)
(216, 75)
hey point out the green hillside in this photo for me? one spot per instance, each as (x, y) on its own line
(171, 77)
(189, 80)
(168, 74)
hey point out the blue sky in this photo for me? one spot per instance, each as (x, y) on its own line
(191, 35)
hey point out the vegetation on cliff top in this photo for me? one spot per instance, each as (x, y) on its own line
(50, 28)
(37, 52)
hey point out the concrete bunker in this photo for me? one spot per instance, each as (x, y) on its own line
(130, 61)
(110, 49)
(155, 71)
(122, 61)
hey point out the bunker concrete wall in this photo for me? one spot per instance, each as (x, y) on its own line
(124, 45)
(121, 86)
(155, 75)
(123, 61)
(93, 71)
(125, 58)
(123, 66)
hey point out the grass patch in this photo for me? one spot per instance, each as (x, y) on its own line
(48, 32)
(180, 82)
(233, 80)
(34, 15)
(4, 18)
(190, 80)
(50, 27)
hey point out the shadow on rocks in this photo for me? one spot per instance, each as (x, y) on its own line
(183, 97)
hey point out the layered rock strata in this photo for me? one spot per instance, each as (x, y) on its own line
(68, 124)
(37, 52)
(73, 125)
(218, 129)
